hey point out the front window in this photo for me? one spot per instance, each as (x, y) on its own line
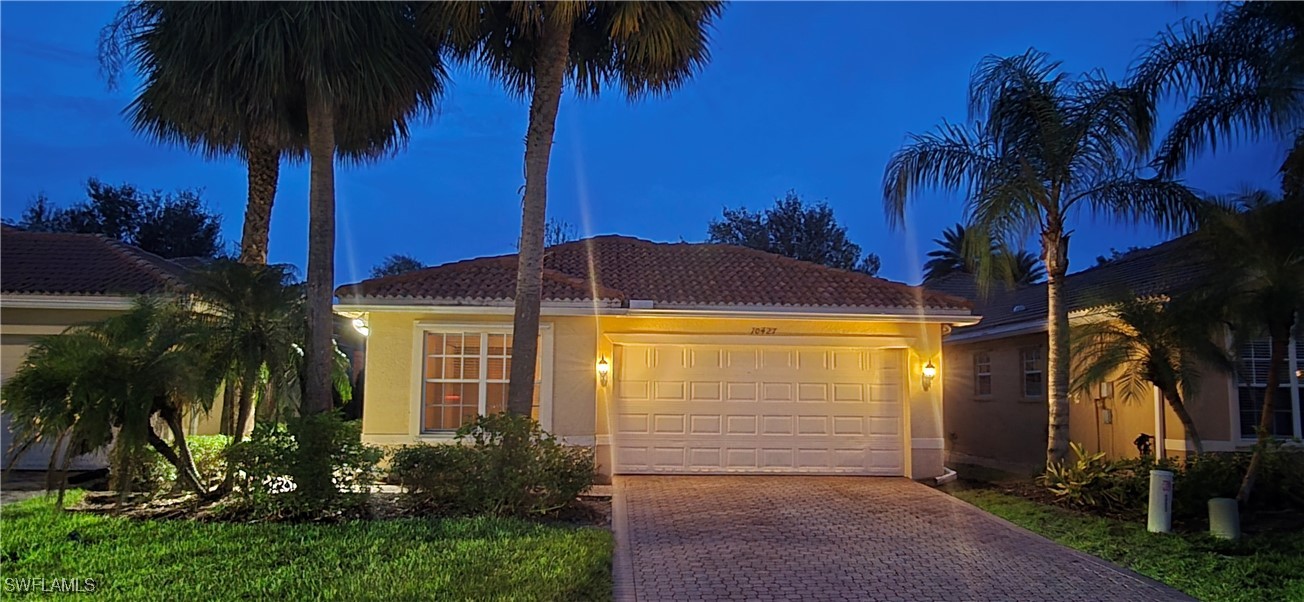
(1252, 383)
(982, 374)
(1033, 383)
(465, 374)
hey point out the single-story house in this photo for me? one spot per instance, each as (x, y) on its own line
(670, 358)
(997, 373)
(50, 281)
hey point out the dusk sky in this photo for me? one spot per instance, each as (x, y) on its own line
(810, 97)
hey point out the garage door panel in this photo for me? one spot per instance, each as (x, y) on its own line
(818, 392)
(739, 409)
(740, 391)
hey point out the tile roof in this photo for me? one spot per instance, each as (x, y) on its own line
(49, 263)
(618, 269)
(1165, 268)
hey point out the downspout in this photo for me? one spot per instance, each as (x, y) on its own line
(1160, 430)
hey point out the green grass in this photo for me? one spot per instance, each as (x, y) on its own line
(392, 560)
(1267, 566)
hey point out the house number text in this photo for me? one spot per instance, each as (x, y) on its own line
(764, 330)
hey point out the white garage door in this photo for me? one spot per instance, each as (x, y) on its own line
(702, 408)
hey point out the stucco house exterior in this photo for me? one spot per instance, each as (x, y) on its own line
(997, 373)
(719, 359)
(50, 281)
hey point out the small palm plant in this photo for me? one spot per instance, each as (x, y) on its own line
(1145, 342)
(109, 382)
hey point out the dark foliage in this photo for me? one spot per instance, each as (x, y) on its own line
(793, 229)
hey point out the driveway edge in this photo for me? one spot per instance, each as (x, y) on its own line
(622, 562)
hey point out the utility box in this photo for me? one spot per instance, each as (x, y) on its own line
(1161, 502)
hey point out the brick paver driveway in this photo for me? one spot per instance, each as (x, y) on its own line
(840, 538)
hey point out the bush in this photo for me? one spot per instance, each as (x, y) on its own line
(152, 473)
(500, 464)
(277, 468)
(1122, 486)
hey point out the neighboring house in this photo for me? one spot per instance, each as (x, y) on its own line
(50, 281)
(996, 384)
(719, 359)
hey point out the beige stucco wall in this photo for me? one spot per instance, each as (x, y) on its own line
(1020, 441)
(579, 405)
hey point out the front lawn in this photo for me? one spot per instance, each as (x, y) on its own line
(1264, 566)
(399, 559)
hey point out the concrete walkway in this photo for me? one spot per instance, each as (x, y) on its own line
(840, 538)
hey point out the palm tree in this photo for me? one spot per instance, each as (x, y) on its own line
(120, 374)
(253, 315)
(187, 98)
(1243, 73)
(950, 258)
(347, 78)
(1041, 147)
(1145, 342)
(1022, 267)
(536, 49)
(1257, 254)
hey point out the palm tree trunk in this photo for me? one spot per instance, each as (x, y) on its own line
(1175, 401)
(1055, 252)
(180, 458)
(550, 73)
(244, 423)
(1280, 337)
(321, 253)
(227, 426)
(264, 164)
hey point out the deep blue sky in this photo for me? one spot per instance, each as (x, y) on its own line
(811, 97)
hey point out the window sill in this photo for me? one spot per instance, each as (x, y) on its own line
(437, 436)
(983, 398)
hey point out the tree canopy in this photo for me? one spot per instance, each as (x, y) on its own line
(396, 264)
(792, 228)
(176, 224)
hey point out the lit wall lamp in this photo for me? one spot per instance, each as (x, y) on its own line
(929, 372)
(603, 370)
(360, 325)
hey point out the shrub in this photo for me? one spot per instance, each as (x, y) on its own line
(1087, 482)
(271, 467)
(152, 473)
(501, 464)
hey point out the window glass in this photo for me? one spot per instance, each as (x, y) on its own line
(982, 373)
(1252, 385)
(1033, 383)
(464, 374)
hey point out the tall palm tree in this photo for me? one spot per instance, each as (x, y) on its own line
(348, 76)
(187, 98)
(1257, 254)
(1145, 342)
(119, 375)
(1040, 148)
(1243, 74)
(536, 49)
(1022, 267)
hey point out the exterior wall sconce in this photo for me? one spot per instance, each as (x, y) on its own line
(360, 325)
(929, 372)
(604, 369)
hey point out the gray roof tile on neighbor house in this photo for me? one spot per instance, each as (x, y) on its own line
(618, 269)
(1165, 268)
(51, 263)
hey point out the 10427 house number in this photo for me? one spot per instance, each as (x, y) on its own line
(764, 330)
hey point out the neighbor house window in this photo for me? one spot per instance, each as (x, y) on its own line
(465, 374)
(1252, 383)
(1033, 379)
(982, 374)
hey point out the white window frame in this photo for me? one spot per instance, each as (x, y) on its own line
(1024, 372)
(1295, 386)
(977, 374)
(543, 379)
